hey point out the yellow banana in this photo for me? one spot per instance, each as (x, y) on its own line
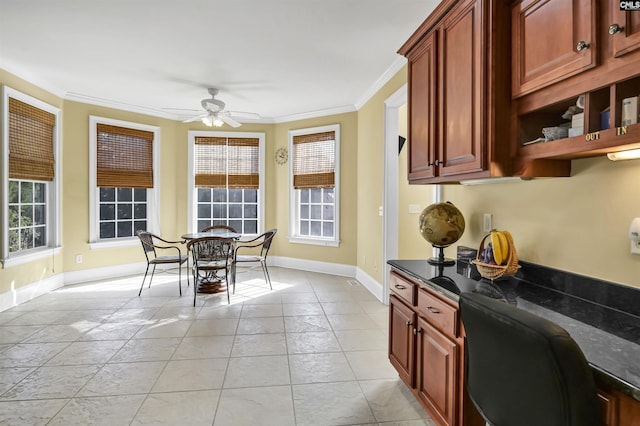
(500, 247)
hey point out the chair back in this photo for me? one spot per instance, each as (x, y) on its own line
(211, 252)
(146, 238)
(266, 244)
(523, 369)
(214, 227)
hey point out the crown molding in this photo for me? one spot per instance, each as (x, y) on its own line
(393, 69)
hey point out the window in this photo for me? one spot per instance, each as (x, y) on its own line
(30, 178)
(314, 189)
(226, 182)
(124, 176)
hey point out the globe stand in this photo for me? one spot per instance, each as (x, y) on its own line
(441, 260)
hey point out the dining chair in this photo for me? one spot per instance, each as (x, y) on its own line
(150, 243)
(212, 259)
(523, 369)
(264, 242)
(221, 227)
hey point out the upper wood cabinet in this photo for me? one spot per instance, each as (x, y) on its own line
(624, 29)
(457, 94)
(552, 40)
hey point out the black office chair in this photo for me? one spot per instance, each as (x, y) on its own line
(524, 370)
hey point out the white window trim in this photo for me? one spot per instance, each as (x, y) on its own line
(191, 178)
(293, 199)
(54, 201)
(153, 204)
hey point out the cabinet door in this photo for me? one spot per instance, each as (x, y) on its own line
(437, 374)
(461, 76)
(401, 339)
(422, 106)
(624, 30)
(551, 40)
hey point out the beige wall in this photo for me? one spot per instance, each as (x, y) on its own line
(578, 224)
(411, 245)
(173, 189)
(370, 177)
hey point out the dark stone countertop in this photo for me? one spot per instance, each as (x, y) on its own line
(602, 317)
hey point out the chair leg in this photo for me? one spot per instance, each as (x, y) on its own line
(153, 271)
(143, 280)
(233, 276)
(266, 273)
(226, 278)
(180, 278)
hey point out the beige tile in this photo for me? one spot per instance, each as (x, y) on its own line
(264, 406)
(320, 367)
(193, 374)
(312, 342)
(99, 411)
(193, 408)
(264, 371)
(347, 402)
(259, 344)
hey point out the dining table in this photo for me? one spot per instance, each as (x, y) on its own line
(207, 285)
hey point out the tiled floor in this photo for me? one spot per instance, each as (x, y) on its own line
(310, 352)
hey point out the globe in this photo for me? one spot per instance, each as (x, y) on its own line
(441, 224)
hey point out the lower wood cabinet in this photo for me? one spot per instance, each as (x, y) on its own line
(437, 374)
(426, 347)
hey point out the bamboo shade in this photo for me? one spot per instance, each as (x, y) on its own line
(125, 157)
(30, 142)
(227, 162)
(314, 160)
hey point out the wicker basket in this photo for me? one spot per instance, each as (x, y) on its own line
(493, 272)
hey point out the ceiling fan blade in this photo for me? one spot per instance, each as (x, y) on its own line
(230, 121)
(196, 118)
(244, 114)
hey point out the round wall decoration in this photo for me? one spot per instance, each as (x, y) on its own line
(282, 155)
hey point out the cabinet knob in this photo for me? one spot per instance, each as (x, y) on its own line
(582, 45)
(399, 287)
(615, 29)
(416, 331)
(437, 162)
(429, 164)
(409, 324)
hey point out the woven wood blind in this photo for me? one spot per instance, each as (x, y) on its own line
(314, 159)
(227, 162)
(30, 142)
(125, 157)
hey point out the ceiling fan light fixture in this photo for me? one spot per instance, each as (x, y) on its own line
(217, 122)
(207, 121)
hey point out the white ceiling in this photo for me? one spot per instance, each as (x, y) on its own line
(282, 59)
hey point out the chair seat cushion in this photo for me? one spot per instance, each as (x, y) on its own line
(169, 259)
(248, 258)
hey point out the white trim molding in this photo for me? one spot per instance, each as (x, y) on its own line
(19, 295)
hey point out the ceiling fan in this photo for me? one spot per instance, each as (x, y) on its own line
(216, 115)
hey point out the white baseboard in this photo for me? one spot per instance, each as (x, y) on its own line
(25, 293)
(106, 272)
(314, 266)
(331, 268)
(30, 291)
(370, 284)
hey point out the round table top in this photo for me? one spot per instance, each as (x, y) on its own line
(216, 233)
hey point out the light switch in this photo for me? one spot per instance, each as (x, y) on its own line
(414, 208)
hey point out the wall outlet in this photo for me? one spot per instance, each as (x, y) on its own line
(78, 258)
(414, 208)
(487, 222)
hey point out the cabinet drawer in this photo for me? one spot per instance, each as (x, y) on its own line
(438, 313)
(405, 290)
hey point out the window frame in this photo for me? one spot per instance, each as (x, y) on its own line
(191, 187)
(53, 188)
(153, 194)
(294, 194)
